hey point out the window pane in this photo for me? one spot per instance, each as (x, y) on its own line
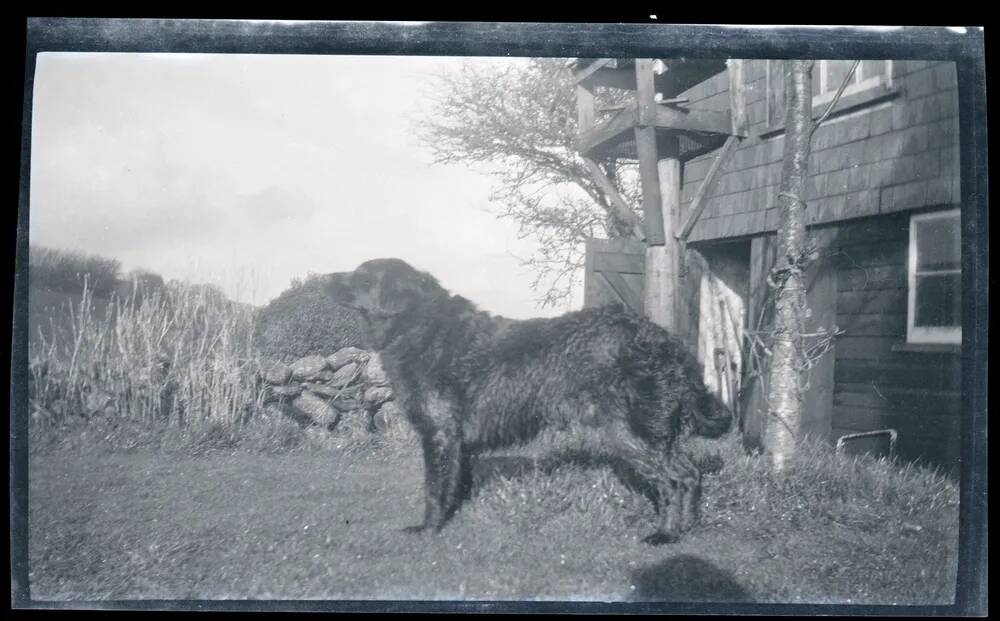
(938, 244)
(872, 68)
(938, 301)
(835, 72)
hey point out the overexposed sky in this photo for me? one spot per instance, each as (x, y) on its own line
(249, 170)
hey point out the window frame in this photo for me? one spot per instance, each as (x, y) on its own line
(856, 97)
(929, 335)
(825, 96)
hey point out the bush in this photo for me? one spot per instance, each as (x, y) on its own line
(66, 270)
(306, 320)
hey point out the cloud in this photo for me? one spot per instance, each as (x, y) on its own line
(260, 167)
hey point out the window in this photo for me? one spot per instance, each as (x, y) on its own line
(934, 308)
(829, 74)
(871, 81)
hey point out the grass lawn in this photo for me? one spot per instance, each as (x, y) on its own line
(323, 524)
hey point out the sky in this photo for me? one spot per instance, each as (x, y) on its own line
(249, 170)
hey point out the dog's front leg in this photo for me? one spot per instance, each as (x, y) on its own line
(444, 465)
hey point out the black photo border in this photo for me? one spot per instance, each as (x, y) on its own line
(591, 40)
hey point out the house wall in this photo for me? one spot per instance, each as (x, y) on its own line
(869, 170)
(898, 154)
(878, 381)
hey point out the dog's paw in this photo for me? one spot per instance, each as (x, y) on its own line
(660, 538)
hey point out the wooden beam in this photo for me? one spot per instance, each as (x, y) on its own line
(622, 209)
(598, 64)
(698, 202)
(609, 129)
(737, 97)
(669, 169)
(692, 119)
(645, 145)
(620, 78)
(618, 262)
(645, 91)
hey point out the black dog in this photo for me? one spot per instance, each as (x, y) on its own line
(469, 381)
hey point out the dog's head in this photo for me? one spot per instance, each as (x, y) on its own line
(709, 416)
(383, 288)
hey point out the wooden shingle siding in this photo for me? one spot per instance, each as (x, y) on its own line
(876, 384)
(897, 154)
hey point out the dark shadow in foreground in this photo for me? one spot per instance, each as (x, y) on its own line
(687, 578)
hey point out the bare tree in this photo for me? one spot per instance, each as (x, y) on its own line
(518, 123)
(792, 350)
(784, 395)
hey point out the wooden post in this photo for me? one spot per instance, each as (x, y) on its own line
(669, 169)
(737, 97)
(661, 182)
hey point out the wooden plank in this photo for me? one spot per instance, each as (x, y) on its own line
(669, 175)
(684, 73)
(645, 92)
(689, 119)
(610, 130)
(620, 263)
(873, 324)
(858, 419)
(645, 143)
(596, 65)
(928, 374)
(590, 283)
(622, 209)
(698, 203)
(738, 97)
(618, 77)
(876, 277)
(873, 301)
(620, 244)
(617, 283)
(866, 347)
(865, 255)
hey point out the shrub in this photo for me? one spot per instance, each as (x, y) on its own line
(306, 320)
(66, 270)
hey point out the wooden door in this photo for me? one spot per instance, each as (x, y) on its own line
(614, 273)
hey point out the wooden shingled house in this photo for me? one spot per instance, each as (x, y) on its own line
(884, 209)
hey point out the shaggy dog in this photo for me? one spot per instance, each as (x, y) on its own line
(469, 381)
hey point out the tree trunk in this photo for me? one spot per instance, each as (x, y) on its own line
(784, 395)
